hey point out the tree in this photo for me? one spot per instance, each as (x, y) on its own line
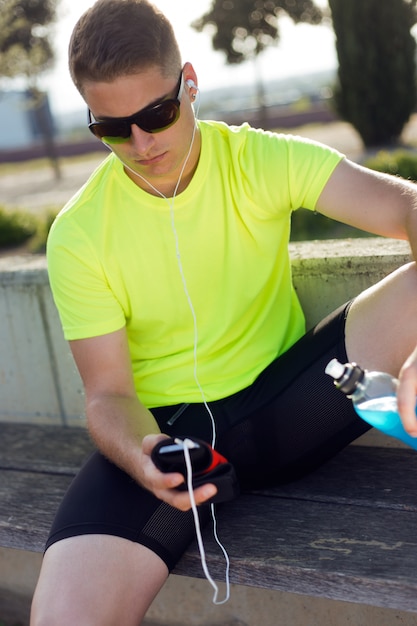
(376, 89)
(244, 28)
(26, 51)
(25, 48)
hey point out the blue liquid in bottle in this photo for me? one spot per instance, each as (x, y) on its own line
(382, 413)
(374, 398)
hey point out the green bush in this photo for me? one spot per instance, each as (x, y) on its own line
(399, 163)
(37, 243)
(15, 228)
(307, 225)
(18, 228)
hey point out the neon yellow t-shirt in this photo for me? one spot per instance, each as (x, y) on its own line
(112, 262)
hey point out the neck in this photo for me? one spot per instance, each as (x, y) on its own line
(178, 181)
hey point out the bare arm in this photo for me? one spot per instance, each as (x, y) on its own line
(375, 202)
(123, 429)
(383, 205)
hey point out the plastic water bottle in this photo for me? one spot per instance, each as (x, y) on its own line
(374, 397)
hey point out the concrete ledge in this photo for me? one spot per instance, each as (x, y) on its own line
(328, 273)
(38, 378)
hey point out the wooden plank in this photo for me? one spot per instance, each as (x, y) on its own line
(28, 503)
(367, 476)
(43, 448)
(380, 477)
(304, 547)
(345, 532)
(329, 550)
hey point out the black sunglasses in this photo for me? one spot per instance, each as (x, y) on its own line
(151, 119)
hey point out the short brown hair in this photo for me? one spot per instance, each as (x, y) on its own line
(120, 37)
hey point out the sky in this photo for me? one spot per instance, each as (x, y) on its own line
(302, 49)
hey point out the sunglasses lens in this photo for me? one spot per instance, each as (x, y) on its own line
(111, 132)
(159, 117)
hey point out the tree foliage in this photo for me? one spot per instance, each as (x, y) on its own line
(244, 28)
(25, 46)
(376, 90)
(26, 51)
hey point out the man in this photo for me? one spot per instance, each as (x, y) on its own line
(171, 273)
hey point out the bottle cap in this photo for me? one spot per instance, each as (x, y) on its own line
(335, 369)
(346, 377)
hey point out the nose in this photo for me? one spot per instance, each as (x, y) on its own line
(141, 140)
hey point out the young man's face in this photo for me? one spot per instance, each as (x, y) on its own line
(158, 157)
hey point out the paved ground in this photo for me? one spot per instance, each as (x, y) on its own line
(35, 189)
(15, 611)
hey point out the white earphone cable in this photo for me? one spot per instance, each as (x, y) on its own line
(171, 203)
(186, 445)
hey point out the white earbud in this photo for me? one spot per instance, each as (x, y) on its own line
(191, 83)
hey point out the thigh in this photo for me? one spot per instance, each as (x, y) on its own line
(381, 329)
(301, 420)
(101, 580)
(104, 500)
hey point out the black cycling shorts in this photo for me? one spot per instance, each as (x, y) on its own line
(287, 423)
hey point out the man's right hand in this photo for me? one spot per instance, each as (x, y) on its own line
(163, 485)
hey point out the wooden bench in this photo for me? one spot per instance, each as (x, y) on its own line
(346, 532)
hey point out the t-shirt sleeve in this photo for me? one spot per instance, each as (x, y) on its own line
(87, 307)
(310, 165)
(286, 171)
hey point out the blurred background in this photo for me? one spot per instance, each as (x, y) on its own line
(340, 72)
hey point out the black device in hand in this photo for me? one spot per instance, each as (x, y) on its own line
(208, 466)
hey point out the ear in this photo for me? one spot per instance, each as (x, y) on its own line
(191, 80)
